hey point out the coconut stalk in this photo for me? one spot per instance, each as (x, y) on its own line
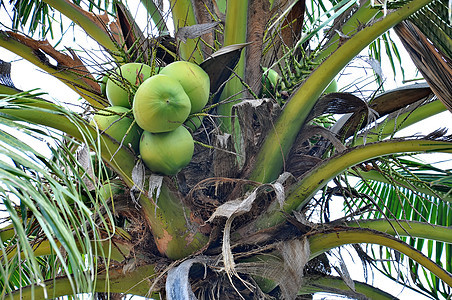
(407, 228)
(234, 33)
(385, 230)
(70, 70)
(324, 241)
(361, 17)
(48, 114)
(115, 252)
(270, 159)
(337, 285)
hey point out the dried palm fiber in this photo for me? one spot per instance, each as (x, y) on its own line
(434, 64)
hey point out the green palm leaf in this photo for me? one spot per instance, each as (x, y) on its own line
(411, 191)
(434, 21)
(50, 207)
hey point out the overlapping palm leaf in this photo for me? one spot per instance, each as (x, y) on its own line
(50, 211)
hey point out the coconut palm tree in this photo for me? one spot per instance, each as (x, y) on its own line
(250, 217)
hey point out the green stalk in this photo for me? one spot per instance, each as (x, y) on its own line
(306, 188)
(183, 15)
(387, 128)
(322, 242)
(234, 33)
(407, 228)
(6, 90)
(91, 24)
(156, 16)
(7, 232)
(173, 233)
(116, 281)
(175, 238)
(270, 160)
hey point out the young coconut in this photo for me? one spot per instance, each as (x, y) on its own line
(168, 152)
(120, 84)
(110, 189)
(270, 81)
(160, 104)
(111, 122)
(194, 80)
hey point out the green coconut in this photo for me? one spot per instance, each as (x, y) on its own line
(118, 127)
(194, 80)
(168, 152)
(160, 104)
(110, 189)
(121, 84)
(270, 80)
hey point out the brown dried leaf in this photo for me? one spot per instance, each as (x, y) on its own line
(390, 102)
(220, 64)
(338, 103)
(295, 254)
(65, 63)
(434, 65)
(84, 159)
(292, 26)
(131, 33)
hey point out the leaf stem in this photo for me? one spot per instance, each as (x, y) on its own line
(324, 241)
(305, 189)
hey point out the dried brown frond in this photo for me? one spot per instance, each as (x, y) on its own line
(435, 66)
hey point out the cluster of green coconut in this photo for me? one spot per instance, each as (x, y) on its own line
(272, 83)
(161, 105)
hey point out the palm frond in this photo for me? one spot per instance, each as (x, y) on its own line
(411, 191)
(434, 21)
(427, 38)
(38, 17)
(49, 205)
(387, 44)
